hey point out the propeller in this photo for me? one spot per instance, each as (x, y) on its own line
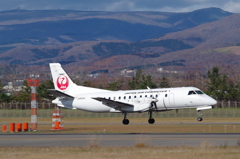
(153, 103)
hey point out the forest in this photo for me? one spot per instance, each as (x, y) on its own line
(220, 83)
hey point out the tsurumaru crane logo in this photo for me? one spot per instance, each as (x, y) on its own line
(62, 82)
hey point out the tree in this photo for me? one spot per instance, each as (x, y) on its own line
(88, 83)
(24, 95)
(232, 92)
(3, 96)
(42, 90)
(1, 85)
(219, 88)
(135, 82)
(115, 85)
(147, 82)
(140, 81)
(164, 83)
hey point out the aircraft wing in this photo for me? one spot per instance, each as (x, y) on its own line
(60, 95)
(113, 104)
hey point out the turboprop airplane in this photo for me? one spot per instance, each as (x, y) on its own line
(70, 95)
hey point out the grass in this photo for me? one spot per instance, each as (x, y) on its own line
(69, 113)
(137, 125)
(204, 150)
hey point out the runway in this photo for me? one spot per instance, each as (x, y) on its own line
(152, 139)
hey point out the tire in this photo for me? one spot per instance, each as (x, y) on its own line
(151, 121)
(199, 119)
(125, 121)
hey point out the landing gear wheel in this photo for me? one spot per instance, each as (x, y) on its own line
(151, 121)
(199, 118)
(125, 121)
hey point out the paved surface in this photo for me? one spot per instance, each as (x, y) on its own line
(120, 123)
(73, 140)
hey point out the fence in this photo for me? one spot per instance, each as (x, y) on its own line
(15, 110)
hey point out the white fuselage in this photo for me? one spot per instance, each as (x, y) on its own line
(167, 99)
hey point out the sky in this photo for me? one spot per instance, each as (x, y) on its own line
(121, 5)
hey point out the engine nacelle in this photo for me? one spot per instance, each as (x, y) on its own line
(142, 104)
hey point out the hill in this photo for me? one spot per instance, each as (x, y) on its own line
(111, 40)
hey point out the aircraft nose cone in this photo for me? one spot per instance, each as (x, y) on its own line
(212, 101)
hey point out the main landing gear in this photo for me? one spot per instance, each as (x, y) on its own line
(199, 116)
(125, 120)
(151, 120)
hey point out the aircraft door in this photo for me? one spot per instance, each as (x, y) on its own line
(171, 99)
(161, 103)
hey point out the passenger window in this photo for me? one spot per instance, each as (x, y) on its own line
(165, 95)
(140, 96)
(156, 95)
(191, 92)
(124, 97)
(145, 95)
(129, 97)
(119, 98)
(151, 96)
(135, 96)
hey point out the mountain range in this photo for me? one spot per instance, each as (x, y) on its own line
(114, 40)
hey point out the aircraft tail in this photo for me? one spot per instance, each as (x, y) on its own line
(63, 83)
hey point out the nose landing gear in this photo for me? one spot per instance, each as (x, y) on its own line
(199, 116)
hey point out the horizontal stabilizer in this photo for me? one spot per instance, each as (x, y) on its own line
(113, 104)
(60, 95)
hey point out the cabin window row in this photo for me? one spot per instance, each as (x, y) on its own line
(133, 97)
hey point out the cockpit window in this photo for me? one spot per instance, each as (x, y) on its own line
(199, 92)
(191, 92)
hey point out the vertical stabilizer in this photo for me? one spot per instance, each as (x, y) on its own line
(62, 82)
